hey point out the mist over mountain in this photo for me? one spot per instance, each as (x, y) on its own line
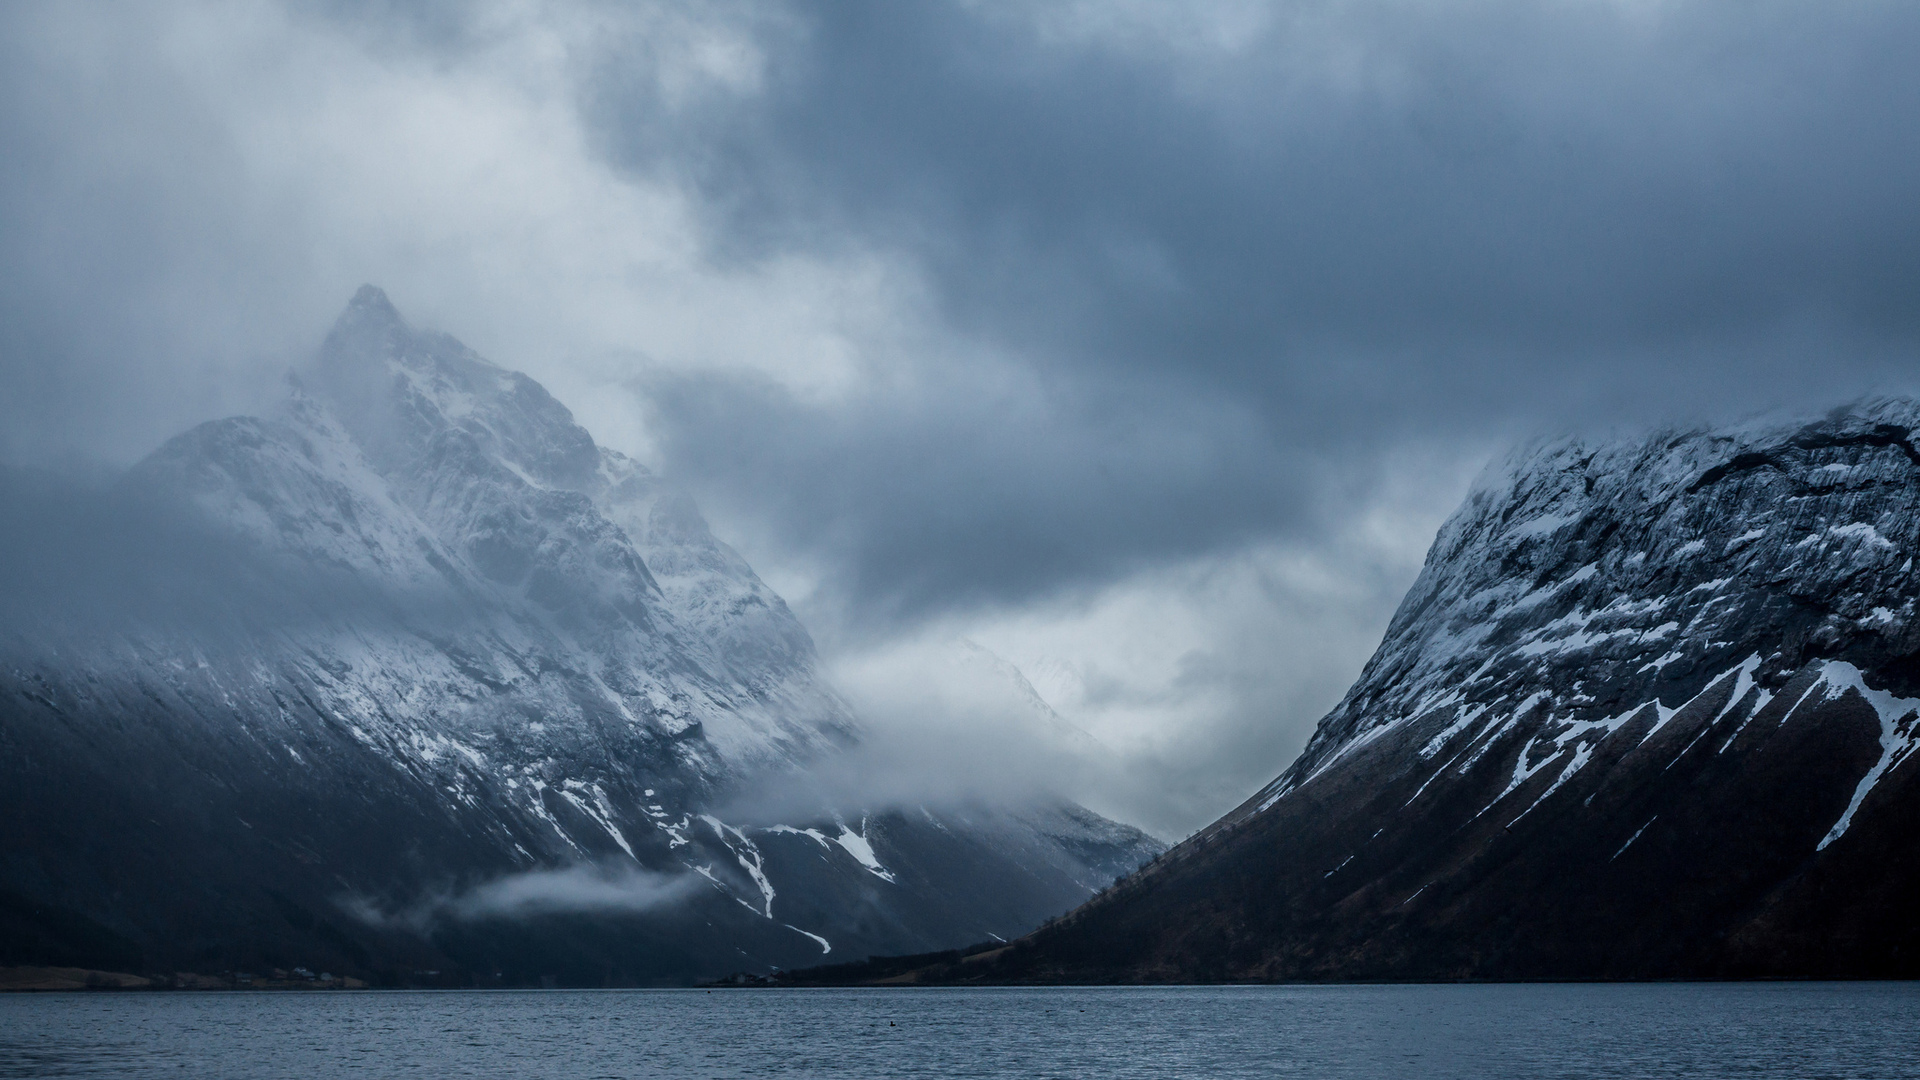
(412, 676)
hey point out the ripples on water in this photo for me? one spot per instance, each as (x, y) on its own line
(1799, 1030)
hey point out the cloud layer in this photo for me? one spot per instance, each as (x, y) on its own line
(1144, 344)
(1196, 281)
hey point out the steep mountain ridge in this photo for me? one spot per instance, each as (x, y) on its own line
(1568, 555)
(462, 691)
(1648, 712)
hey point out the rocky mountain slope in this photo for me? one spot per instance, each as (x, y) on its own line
(1648, 712)
(413, 677)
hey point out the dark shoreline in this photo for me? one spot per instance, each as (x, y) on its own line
(29, 979)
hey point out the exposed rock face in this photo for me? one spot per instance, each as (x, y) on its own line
(1649, 711)
(425, 680)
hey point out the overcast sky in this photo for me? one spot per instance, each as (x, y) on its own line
(1143, 344)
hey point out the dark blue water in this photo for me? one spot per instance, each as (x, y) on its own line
(1799, 1030)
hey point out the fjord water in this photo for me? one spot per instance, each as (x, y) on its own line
(1584, 1030)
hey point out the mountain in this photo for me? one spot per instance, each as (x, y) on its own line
(413, 677)
(1648, 712)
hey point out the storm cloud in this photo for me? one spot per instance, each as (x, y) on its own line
(1143, 344)
(1229, 268)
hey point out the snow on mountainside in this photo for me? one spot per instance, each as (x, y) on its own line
(459, 642)
(1649, 711)
(1592, 585)
(564, 533)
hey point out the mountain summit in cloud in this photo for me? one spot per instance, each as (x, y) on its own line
(414, 676)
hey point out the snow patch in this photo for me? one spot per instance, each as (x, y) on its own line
(1635, 836)
(814, 833)
(825, 946)
(1545, 525)
(1897, 734)
(857, 846)
(1863, 532)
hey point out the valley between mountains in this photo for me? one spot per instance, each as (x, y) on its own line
(413, 683)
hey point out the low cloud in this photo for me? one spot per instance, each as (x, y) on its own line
(1168, 696)
(945, 724)
(574, 890)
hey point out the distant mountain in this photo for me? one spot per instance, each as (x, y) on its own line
(414, 677)
(1648, 712)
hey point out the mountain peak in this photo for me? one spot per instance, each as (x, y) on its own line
(368, 313)
(372, 298)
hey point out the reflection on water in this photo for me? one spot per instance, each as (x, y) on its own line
(1692, 1030)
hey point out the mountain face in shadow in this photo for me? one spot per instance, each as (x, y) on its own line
(1648, 712)
(413, 677)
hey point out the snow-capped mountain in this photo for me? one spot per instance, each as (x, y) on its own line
(1649, 711)
(453, 688)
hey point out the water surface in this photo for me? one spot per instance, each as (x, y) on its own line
(1799, 1030)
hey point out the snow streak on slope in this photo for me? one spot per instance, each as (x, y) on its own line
(1897, 734)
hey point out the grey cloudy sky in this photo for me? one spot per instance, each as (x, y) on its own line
(1144, 344)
